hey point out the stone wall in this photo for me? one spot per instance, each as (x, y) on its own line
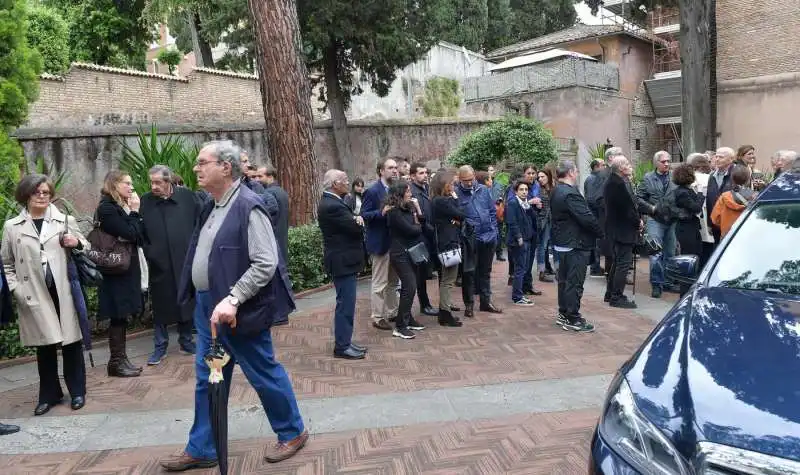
(88, 153)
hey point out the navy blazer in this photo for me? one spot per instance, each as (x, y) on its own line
(378, 240)
(519, 222)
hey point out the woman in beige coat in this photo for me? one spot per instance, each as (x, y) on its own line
(35, 264)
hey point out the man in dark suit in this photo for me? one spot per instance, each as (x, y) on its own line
(418, 178)
(344, 258)
(384, 299)
(268, 177)
(622, 226)
(574, 232)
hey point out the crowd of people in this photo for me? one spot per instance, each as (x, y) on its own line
(218, 257)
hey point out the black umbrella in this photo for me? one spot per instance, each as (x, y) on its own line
(216, 358)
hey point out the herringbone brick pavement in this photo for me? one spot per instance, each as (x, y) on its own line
(545, 444)
(522, 344)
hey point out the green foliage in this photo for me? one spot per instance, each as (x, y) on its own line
(513, 140)
(441, 98)
(107, 32)
(10, 346)
(533, 18)
(171, 57)
(49, 35)
(152, 150)
(20, 66)
(597, 152)
(503, 178)
(501, 18)
(305, 257)
(468, 25)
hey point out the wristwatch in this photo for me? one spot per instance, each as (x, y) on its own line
(233, 301)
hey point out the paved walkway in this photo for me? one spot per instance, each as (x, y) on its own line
(508, 393)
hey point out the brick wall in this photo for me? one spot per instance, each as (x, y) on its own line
(90, 95)
(757, 38)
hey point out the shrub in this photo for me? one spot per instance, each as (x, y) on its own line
(48, 33)
(441, 98)
(172, 151)
(305, 257)
(171, 57)
(511, 141)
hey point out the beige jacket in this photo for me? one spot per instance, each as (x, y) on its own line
(22, 261)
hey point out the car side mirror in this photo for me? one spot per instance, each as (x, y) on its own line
(683, 269)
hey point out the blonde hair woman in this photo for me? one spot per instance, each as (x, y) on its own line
(34, 255)
(120, 295)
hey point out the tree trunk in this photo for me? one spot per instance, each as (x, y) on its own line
(335, 104)
(697, 129)
(286, 95)
(202, 50)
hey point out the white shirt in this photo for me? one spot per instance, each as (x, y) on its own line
(700, 185)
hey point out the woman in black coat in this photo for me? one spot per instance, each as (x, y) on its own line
(689, 205)
(120, 295)
(447, 218)
(405, 231)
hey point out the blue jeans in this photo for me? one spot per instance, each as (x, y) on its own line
(345, 310)
(665, 234)
(161, 336)
(255, 356)
(521, 256)
(544, 243)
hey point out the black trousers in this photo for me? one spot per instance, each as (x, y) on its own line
(423, 274)
(74, 371)
(571, 277)
(621, 262)
(407, 273)
(479, 281)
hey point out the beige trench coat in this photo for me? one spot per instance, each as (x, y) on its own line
(20, 250)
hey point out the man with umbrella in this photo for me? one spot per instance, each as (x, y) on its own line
(169, 214)
(233, 270)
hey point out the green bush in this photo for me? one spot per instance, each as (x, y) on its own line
(512, 141)
(171, 57)
(48, 33)
(151, 150)
(441, 98)
(305, 258)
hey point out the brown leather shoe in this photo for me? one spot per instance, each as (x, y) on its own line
(382, 324)
(185, 462)
(283, 450)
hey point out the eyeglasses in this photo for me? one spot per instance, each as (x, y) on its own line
(203, 163)
(44, 193)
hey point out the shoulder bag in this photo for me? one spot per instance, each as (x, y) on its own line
(450, 257)
(111, 255)
(86, 269)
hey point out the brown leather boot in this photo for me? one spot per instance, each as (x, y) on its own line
(127, 362)
(116, 363)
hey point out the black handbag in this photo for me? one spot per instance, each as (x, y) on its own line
(418, 253)
(647, 245)
(88, 274)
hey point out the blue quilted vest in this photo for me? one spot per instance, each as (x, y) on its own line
(230, 259)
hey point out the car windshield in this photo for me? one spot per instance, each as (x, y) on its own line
(764, 254)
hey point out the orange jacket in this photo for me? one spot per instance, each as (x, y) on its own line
(726, 211)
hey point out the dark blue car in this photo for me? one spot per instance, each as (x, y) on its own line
(715, 388)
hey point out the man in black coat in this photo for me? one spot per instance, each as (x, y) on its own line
(169, 214)
(6, 317)
(342, 233)
(418, 177)
(574, 232)
(623, 224)
(268, 177)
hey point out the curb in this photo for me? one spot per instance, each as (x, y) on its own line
(148, 332)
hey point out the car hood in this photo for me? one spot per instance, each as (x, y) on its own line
(724, 367)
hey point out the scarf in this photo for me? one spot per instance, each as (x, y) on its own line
(524, 203)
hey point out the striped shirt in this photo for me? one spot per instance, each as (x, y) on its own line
(262, 249)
